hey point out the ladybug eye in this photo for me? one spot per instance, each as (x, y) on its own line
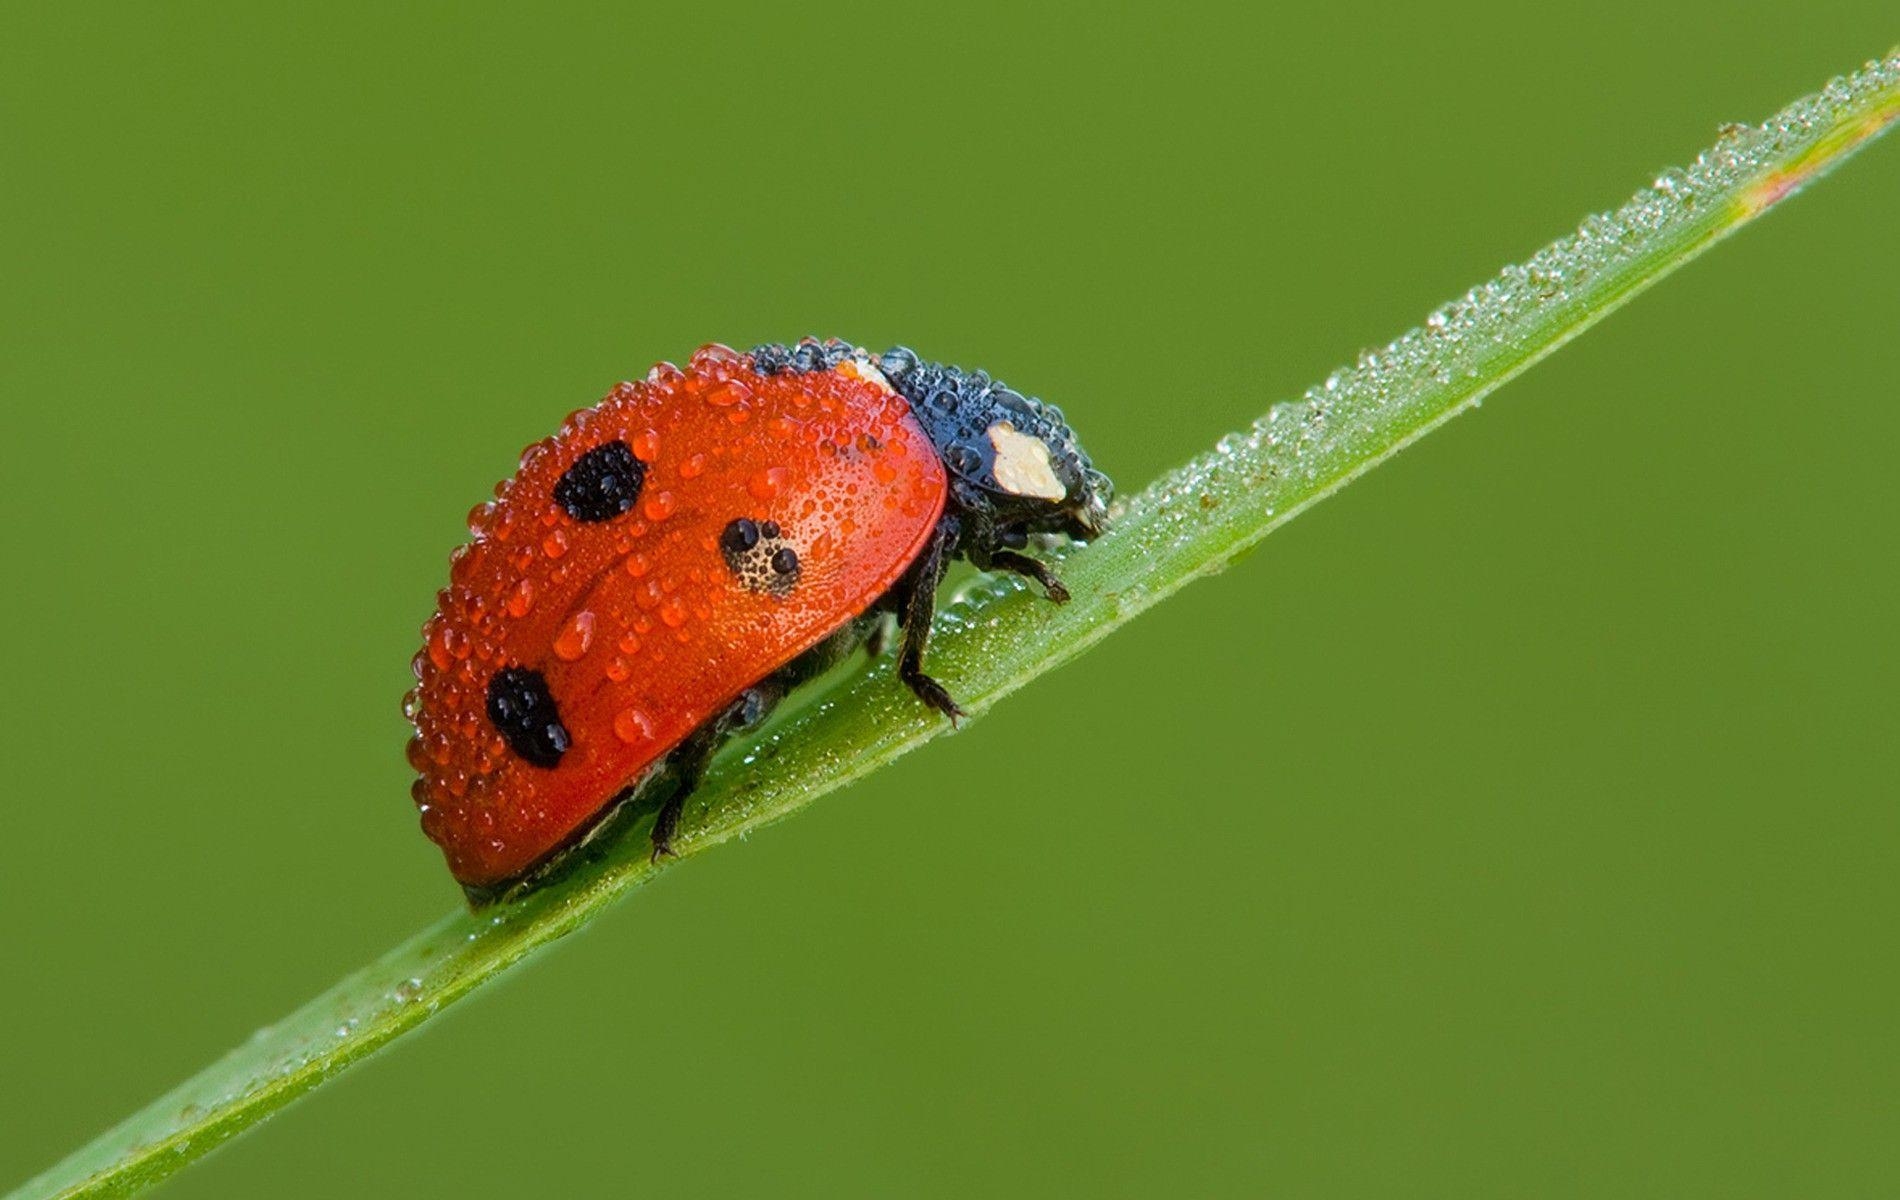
(524, 713)
(602, 483)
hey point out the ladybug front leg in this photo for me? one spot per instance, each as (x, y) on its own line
(919, 606)
(1034, 568)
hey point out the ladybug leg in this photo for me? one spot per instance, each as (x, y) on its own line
(878, 640)
(690, 758)
(919, 605)
(688, 766)
(1036, 569)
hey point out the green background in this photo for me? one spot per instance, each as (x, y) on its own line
(1520, 822)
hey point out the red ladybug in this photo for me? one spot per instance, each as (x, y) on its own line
(665, 568)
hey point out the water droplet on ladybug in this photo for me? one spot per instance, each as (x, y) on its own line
(521, 600)
(575, 637)
(439, 647)
(728, 394)
(659, 506)
(554, 545)
(693, 467)
(713, 356)
(462, 563)
(673, 612)
(767, 484)
(633, 726)
(646, 445)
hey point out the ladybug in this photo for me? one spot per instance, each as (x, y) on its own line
(664, 569)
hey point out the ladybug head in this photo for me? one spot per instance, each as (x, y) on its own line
(1015, 466)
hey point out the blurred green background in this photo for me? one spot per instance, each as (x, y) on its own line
(1519, 823)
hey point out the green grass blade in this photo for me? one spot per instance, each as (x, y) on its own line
(999, 637)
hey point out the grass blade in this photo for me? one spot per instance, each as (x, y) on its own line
(996, 638)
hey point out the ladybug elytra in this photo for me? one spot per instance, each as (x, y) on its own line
(662, 571)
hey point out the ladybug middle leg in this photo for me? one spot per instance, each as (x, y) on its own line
(917, 604)
(688, 762)
(689, 759)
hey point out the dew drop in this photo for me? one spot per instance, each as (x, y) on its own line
(633, 726)
(575, 637)
(728, 394)
(521, 600)
(480, 517)
(767, 484)
(714, 357)
(1675, 183)
(659, 506)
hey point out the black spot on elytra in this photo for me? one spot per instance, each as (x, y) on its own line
(602, 483)
(524, 713)
(758, 557)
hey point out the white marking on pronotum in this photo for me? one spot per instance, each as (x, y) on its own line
(1022, 464)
